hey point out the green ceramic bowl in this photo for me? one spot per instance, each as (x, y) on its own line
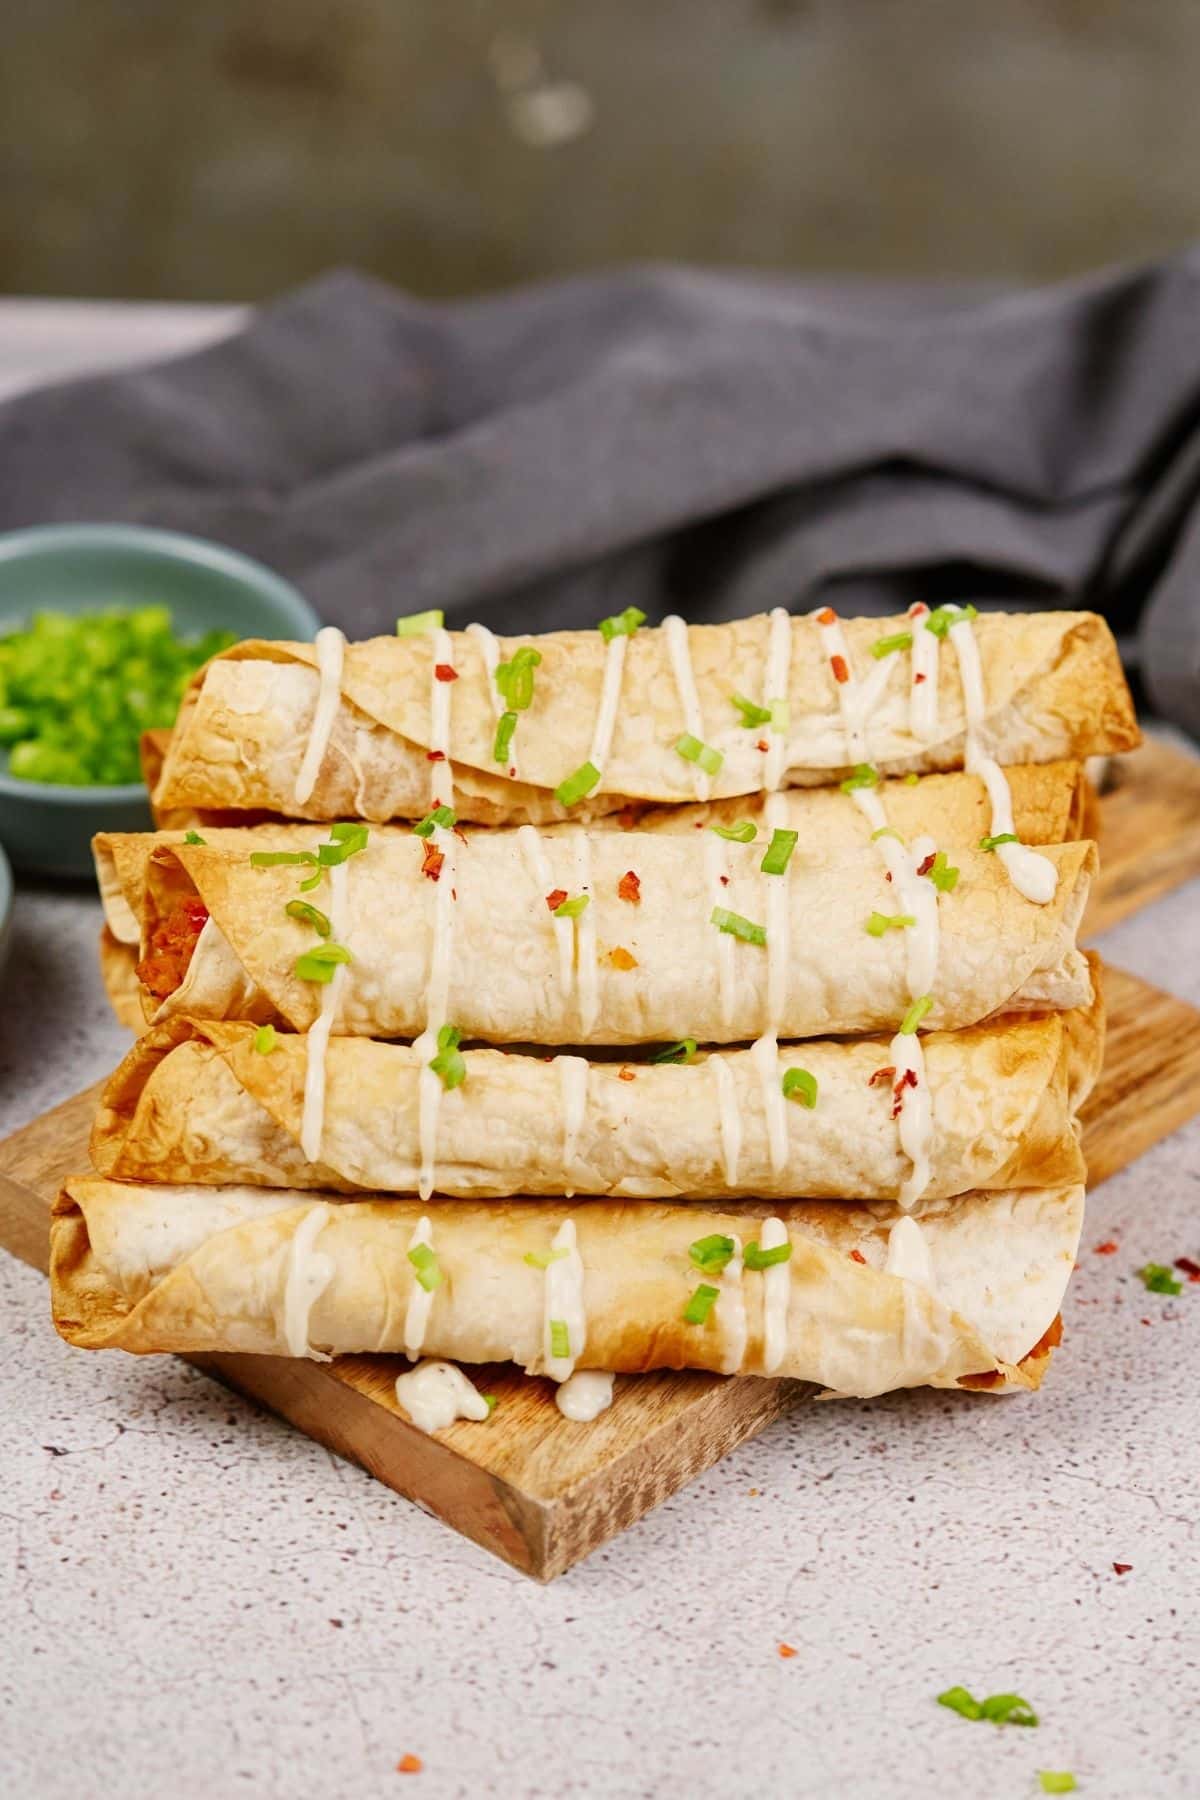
(6, 908)
(94, 568)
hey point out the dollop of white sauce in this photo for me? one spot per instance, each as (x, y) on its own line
(675, 632)
(777, 1289)
(435, 1394)
(308, 1275)
(330, 646)
(908, 1254)
(583, 1396)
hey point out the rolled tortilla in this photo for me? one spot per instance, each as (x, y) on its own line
(1052, 682)
(201, 1270)
(625, 971)
(199, 1103)
(1050, 806)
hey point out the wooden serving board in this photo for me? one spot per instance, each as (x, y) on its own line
(540, 1492)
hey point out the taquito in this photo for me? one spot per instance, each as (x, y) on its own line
(599, 719)
(669, 939)
(856, 1298)
(217, 1104)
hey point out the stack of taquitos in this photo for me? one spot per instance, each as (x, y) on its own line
(908, 1204)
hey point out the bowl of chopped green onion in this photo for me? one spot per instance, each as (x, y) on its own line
(101, 628)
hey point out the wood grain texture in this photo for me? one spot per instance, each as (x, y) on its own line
(540, 1492)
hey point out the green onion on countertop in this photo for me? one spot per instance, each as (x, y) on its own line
(78, 690)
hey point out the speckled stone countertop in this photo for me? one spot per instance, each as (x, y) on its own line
(199, 1601)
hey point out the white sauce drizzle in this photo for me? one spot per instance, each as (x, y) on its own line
(535, 861)
(908, 1254)
(716, 866)
(316, 1042)
(429, 1082)
(308, 1275)
(857, 700)
(420, 1301)
(563, 1300)
(778, 922)
(440, 775)
(330, 646)
(435, 1394)
(573, 1086)
(610, 698)
(585, 935)
(777, 1288)
(729, 1116)
(675, 632)
(1035, 877)
(731, 1310)
(583, 1396)
(916, 1114)
(923, 691)
(764, 1052)
(489, 649)
(777, 679)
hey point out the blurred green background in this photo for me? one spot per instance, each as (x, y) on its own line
(157, 149)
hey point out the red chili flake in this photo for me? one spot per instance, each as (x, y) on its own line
(827, 616)
(926, 865)
(555, 898)
(409, 1765)
(1107, 1248)
(620, 958)
(435, 756)
(724, 881)
(513, 771)
(917, 680)
(762, 745)
(887, 875)
(857, 1256)
(1187, 1267)
(444, 672)
(840, 671)
(629, 888)
(454, 893)
(917, 608)
(629, 817)
(337, 1624)
(459, 833)
(882, 1075)
(908, 1079)
(431, 864)
(1122, 1568)
(786, 1650)
(626, 1075)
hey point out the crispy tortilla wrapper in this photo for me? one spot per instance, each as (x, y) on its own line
(196, 1102)
(513, 979)
(202, 1270)
(1053, 688)
(118, 971)
(1049, 807)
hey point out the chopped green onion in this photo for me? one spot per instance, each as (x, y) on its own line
(449, 1063)
(415, 623)
(899, 640)
(701, 1304)
(752, 715)
(571, 909)
(1001, 837)
(348, 839)
(300, 909)
(577, 786)
(541, 1259)
(622, 624)
(942, 874)
(962, 1702)
(779, 851)
(514, 678)
(321, 963)
(491, 1401)
(424, 1260)
(879, 922)
(682, 1052)
(560, 1340)
(744, 832)
(306, 887)
(443, 816)
(277, 859)
(737, 927)
(915, 1014)
(865, 775)
(886, 831)
(703, 755)
(800, 1086)
(711, 1253)
(911, 779)
(1008, 1709)
(505, 726)
(193, 837)
(1159, 1279)
(943, 617)
(265, 1039)
(757, 1258)
(1057, 1781)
